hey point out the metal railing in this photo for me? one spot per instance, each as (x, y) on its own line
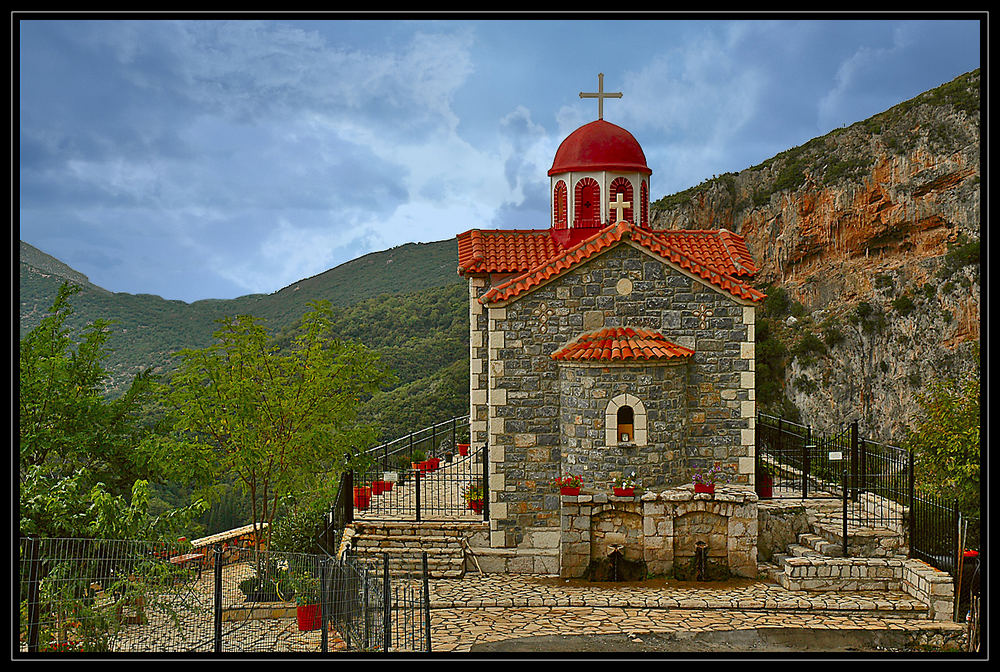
(803, 462)
(124, 596)
(423, 443)
(875, 481)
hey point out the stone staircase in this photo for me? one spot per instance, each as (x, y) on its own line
(404, 543)
(816, 564)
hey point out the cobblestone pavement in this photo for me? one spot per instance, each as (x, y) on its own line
(539, 614)
(477, 610)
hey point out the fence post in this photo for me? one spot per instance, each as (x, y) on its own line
(34, 608)
(416, 494)
(805, 462)
(956, 549)
(386, 604)
(367, 608)
(911, 486)
(854, 454)
(217, 600)
(324, 610)
(454, 435)
(486, 481)
(844, 530)
(349, 498)
(427, 603)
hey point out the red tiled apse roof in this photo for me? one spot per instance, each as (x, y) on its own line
(620, 343)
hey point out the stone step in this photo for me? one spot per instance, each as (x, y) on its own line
(800, 551)
(820, 544)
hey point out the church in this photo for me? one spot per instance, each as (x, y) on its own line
(600, 347)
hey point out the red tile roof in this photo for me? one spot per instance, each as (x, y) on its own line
(620, 343)
(722, 249)
(703, 261)
(504, 251)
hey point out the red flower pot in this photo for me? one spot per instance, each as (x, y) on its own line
(378, 487)
(435, 463)
(705, 487)
(309, 616)
(566, 490)
(765, 487)
(463, 449)
(624, 492)
(476, 505)
(362, 497)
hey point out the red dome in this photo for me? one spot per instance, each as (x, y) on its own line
(599, 145)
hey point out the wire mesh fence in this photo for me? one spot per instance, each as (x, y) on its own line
(96, 595)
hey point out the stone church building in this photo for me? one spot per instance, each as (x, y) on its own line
(601, 347)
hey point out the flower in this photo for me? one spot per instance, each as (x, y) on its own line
(568, 482)
(626, 480)
(473, 493)
(713, 475)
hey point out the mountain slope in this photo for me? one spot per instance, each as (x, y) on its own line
(149, 328)
(872, 232)
(867, 237)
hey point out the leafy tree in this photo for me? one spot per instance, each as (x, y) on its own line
(275, 421)
(79, 452)
(65, 422)
(946, 441)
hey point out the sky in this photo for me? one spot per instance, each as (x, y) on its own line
(215, 158)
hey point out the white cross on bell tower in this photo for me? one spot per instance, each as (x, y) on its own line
(619, 206)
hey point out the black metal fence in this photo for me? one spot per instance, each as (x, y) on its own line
(874, 480)
(117, 596)
(437, 440)
(430, 474)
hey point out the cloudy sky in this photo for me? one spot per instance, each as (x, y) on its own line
(214, 158)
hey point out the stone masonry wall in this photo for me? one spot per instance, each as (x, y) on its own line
(590, 522)
(524, 388)
(658, 458)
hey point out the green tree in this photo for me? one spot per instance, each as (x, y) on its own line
(79, 452)
(65, 421)
(275, 421)
(946, 441)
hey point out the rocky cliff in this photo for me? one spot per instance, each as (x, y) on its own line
(868, 242)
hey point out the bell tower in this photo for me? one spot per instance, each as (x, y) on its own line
(599, 177)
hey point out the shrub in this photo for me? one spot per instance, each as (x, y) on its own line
(904, 305)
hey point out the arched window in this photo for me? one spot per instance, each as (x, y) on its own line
(626, 424)
(587, 203)
(559, 206)
(644, 203)
(625, 414)
(623, 186)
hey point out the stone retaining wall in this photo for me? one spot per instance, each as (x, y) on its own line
(913, 577)
(779, 524)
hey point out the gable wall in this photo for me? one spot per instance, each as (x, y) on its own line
(524, 391)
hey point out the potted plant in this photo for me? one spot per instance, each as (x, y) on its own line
(764, 483)
(473, 495)
(308, 612)
(269, 584)
(624, 486)
(362, 497)
(704, 481)
(569, 485)
(463, 449)
(416, 460)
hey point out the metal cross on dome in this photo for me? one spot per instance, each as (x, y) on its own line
(600, 95)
